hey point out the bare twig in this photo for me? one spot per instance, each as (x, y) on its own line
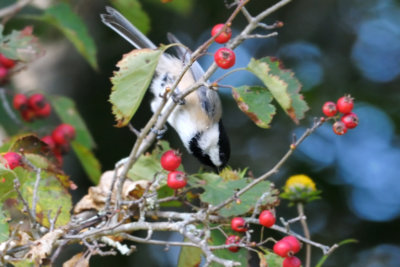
(54, 220)
(261, 36)
(300, 210)
(31, 216)
(35, 191)
(272, 171)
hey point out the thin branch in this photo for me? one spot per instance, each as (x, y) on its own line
(261, 36)
(35, 192)
(272, 171)
(300, 210)
(17, 185)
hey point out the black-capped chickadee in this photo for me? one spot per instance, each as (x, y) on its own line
(198, 120)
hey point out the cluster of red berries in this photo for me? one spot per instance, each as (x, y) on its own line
(224, 57)
(344, 105)
(286, 248)
(33, 107)
(238, 224)
(170, 161)
(5, 65)
(12, 160)
(60, 140)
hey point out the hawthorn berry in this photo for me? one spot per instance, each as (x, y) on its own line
(3, 72)
(339, 128)
(294, 243)
(43, 112)
(171, 160)
(224, 58)
(266, 218)
(176, 179)
(37, 102)
(238, 224)
(350, 120)
(28, 115)
(233, 239)
(345, 104)
(20, 102)
(224, 36)
(6, 62)
(13, 160)
(63, 134)
(329, 109)
(282, 248)
(291, 262)
(49, 141)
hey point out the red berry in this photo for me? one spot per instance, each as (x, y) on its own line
(3, 72)
(224, 36)
(43, 112)
(339, 128)
(6, 62)
(329, 109)
(171, 160)
(27, 115)
(37, 102)
(233, 239)
(267, 218)
(282, 248)
(294, 243)
(350, 120)
(176, 179)
(63, 134)
(291, 262)
(238, 224)
(13, 160)
(224, 58)
(49, 141)
(20, 102)
(345, 104)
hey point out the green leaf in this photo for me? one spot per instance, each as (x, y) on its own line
(217, 190)
(131, 81)
(282, 84)
(132, 10)
(72, 26)
(269, 259)
(254, 102)
(4, 228)
(66, 110)
(89, 162)
(217, 238)
(182, 7)
(189, 256)
(20, 45)
(52, 195)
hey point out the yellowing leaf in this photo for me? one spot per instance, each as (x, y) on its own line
(282, 84)
(254, 102)
(131, 81)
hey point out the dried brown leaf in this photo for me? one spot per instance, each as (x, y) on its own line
(77, 261)
(97, 195)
